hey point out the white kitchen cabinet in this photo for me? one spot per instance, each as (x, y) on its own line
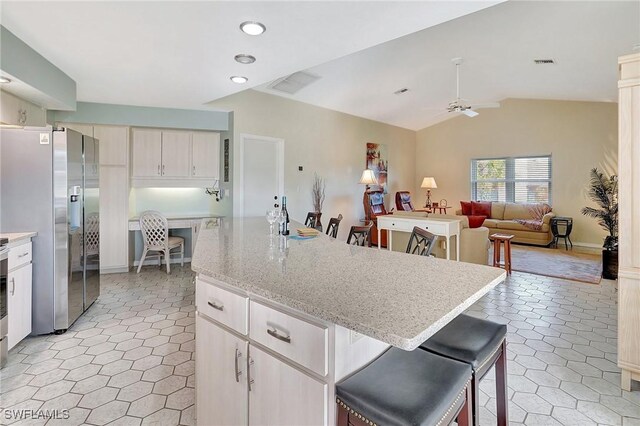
(280, 394)
(114, 144)
(19, 290)
(114, 219)
(176, 154)
(205, 148)
(146, 153)
(175, 158)
(222, 388)
(19, 112)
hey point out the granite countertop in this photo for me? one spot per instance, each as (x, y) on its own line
(394, 297)
(17, 236)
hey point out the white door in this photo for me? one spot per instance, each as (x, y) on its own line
(262, 174)
(205, 161)
(282, 395)
(147, 153)
(221, 384)
(176, 154)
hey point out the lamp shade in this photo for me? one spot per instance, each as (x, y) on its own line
(428, 182)
(368, 178)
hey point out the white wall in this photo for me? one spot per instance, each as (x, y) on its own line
(578, 135)
(174, 201)
(330, 143)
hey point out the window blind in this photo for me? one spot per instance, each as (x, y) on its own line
(514, 179)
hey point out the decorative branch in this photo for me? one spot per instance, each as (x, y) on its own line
(317, 193)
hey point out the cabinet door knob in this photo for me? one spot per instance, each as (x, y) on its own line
(194, 170)
(163, 169)
(158, 169)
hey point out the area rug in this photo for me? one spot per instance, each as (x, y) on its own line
(557, 263)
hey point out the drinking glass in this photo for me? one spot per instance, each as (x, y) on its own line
(272, 216)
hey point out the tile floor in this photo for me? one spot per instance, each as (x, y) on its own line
(129, 360)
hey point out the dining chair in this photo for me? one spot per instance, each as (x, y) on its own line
(421, 242)
(334, 224)
(312, 220)
(361, 235)
(92, 235)
(155, 236)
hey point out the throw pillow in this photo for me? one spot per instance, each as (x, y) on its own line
(481, 208)
(476, 221)
(466, 207)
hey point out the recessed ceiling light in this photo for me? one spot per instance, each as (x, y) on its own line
(239, 79)
(4, 80)
(245, 59)
(252, 28)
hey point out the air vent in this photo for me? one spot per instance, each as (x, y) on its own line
(293, 83)
(401, 91)
(544, 61)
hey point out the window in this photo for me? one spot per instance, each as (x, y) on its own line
(514, 179)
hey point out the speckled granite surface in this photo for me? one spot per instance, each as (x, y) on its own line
(394, 297)
(17, 237)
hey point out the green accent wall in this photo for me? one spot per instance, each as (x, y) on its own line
(127, 115)
(23, 63)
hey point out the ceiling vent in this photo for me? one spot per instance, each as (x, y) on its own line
(293, 83)
(543, 61)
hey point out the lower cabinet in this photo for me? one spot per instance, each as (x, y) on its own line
(240, 384)
(19, 304)
(221, 382)
(281, 394)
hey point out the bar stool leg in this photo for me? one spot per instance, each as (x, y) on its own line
(342, 416)
(466, 413)
(502, 400)
(475, 398)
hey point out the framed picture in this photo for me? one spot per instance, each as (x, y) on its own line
(377, 161)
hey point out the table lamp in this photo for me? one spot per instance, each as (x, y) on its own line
(368, 178)
(429, 183)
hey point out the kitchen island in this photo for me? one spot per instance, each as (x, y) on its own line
(280, 321)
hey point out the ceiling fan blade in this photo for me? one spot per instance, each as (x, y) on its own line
(487, 105)
(470, 113)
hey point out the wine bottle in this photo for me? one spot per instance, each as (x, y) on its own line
(285, 225)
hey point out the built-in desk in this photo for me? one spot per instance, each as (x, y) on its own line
(189, 223)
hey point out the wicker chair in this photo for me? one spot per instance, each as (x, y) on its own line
(155, 235)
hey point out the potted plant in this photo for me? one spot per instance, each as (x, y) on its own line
(317, 194)
(603, 191)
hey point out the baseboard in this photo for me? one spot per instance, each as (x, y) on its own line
(150, 262)
(117, 270)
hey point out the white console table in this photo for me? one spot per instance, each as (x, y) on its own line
(446, 228)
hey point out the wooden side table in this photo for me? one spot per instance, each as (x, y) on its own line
(498, 240)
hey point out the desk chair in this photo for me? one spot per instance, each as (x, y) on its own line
(155, 235)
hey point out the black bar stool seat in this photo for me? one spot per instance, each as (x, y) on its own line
(481, 344)
(405, 388)
(467, 339)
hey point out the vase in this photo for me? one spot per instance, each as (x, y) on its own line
(610, 264)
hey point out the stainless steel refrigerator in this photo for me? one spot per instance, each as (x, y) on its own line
(49, 183)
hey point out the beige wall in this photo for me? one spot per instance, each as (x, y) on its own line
(331, 143)
(578, 135)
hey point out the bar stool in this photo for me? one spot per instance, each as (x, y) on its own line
(481, 344)
(499, 239)
(360, 235)
(406, 388)
(334, 224)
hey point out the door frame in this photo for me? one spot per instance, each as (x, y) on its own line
(238, 186)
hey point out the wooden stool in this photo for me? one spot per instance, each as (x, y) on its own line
(497, 240)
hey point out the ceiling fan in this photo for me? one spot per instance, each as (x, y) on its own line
(459, 105)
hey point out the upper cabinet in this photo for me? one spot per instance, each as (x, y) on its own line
(174, 158)
(205, 148)
(18, 112)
